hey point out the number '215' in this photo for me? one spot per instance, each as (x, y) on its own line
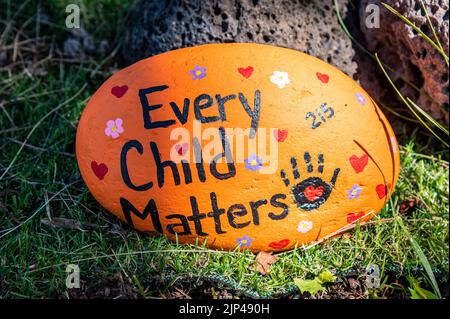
(321, 112)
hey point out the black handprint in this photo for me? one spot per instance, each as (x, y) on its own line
(311, 192)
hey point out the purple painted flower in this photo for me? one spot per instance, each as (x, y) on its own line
(198, 73)
(361, 99)
(114, 128)
(253, 163)
(354, 192)
(244, 241)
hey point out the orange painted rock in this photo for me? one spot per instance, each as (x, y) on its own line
(237, 145)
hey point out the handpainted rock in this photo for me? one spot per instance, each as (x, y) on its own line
(237, 145)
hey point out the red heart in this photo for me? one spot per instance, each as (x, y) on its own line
(99, 170)
(280, 135)
(354, 217)
(359, 163)
(182, 149)
(312, 193)
(323, 77)
(246, 72)
(382, 190)
(279, 244)
(119, 91)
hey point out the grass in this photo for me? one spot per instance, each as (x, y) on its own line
(40, 182)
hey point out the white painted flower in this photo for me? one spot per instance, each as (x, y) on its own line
(280, 78)
(304, 226)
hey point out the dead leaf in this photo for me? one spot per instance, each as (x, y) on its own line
(65, 223)
(264, 261)
(409, 205)
(6, 192)
(117, 229)
(3, 208)
(347, 236)
(353, 283)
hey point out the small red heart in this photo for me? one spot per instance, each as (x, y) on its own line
(246, 72)
(119, 91)
(182, 149)
(99, 170)
(279, 244)
(312, 193)
(280, 135)
(359, 163)
(354, 217)
(382, 190)
(323, 77)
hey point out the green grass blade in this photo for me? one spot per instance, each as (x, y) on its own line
(412, 25)
(423, 259)
(347, 32)
(403, 117)
(407, 104)
(428, 117)
(431, 26)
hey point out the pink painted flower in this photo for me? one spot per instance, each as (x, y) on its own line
(114, 128)
(393, 144)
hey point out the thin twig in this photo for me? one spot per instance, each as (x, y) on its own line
(10, 230)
